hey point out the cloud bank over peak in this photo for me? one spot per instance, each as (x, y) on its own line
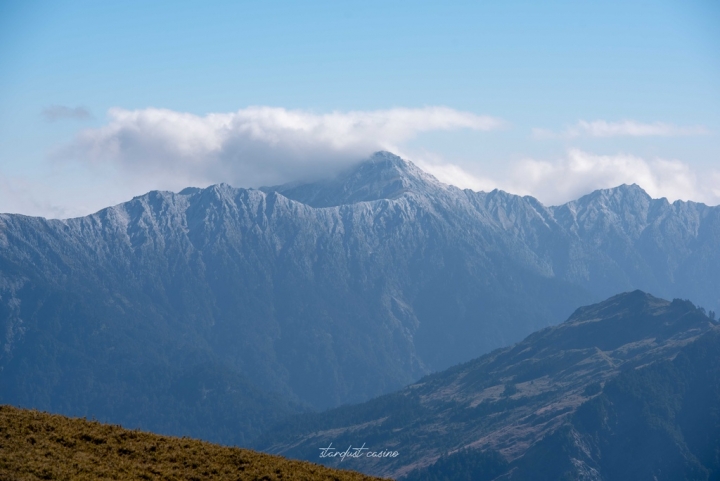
(254, 146)
(581, 172)
(578, 173)
(136, 151)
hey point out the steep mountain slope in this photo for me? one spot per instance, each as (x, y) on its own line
(513, 400)
(660, 422)
(35, 445)
(314, 295)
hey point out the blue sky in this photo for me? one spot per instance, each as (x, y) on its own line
(563, 97)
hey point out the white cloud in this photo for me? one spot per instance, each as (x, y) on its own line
(253, 146)
(141, 150)
(624, 128)
(452, 174)
(62, 193)
(579, 173)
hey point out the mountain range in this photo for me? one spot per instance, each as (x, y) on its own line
(625, 389)
(174, 312)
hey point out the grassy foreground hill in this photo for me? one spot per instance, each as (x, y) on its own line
(37, 445)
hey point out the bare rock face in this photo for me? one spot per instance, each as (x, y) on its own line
(312, 295)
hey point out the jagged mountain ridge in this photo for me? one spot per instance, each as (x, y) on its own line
(514, 400)
(399, 275)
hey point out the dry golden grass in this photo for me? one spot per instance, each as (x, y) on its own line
(36, 445)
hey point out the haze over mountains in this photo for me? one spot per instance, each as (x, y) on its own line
(595, 397)
(176, 311)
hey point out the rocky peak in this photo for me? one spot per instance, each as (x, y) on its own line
(625, 208)
(621, 195)
(382, 176)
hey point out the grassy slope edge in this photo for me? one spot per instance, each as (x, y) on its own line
(38, 445)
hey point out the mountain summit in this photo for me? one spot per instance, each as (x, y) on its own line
(382, 176)
(201, 304)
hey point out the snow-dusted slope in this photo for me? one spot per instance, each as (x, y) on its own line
(326, 293)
